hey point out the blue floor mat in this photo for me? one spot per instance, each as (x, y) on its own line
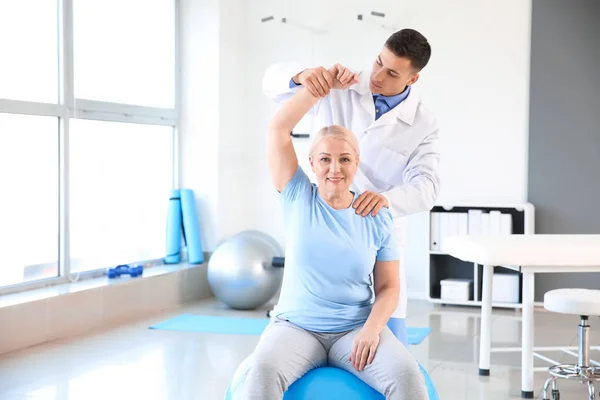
(214, 324)
(244, 326)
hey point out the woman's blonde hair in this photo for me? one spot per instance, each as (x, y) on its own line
(338, 132)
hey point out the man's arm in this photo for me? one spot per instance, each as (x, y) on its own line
(422, 180)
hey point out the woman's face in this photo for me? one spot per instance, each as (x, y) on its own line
(334, 162)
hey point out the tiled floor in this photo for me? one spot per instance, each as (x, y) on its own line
(134, 362)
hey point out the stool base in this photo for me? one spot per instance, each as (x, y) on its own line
(573, 372)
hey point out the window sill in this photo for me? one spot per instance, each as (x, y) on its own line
(65, 310)
(85, 284)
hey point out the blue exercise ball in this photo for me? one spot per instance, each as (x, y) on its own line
(324, 383)
(431, 392)
(329, 383)
(236, 385)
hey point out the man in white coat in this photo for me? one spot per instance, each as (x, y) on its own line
(398, 136)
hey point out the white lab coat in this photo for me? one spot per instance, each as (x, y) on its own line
(399, 154)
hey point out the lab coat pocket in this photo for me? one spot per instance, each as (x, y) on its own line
(390, 167)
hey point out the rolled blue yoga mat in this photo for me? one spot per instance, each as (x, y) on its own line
(174, 222)
(191, 227)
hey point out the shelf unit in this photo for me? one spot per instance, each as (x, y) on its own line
(442, 266)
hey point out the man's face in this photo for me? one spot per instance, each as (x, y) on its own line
(391, 74)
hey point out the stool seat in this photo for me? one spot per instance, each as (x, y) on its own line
(584, 302)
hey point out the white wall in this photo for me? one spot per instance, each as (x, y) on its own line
(199, 110)
(477, 83)
(213, 94)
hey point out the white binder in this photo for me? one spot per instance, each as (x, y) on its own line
(506, 224)
(474, 217)
(434, 234)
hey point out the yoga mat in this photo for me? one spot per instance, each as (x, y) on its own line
(244, 326)
(174, 228)
(191, 227)
(214, 324)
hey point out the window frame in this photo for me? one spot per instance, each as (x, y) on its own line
(68, 107)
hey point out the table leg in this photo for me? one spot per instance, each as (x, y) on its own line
(527, 337)
(486, 321)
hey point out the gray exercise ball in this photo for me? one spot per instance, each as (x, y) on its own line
(241, 272)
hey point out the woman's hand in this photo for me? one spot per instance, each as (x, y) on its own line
(364, 347)
(317, 80)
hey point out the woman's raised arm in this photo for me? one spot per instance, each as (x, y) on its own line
(283, 161)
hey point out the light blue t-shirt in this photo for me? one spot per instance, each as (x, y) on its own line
(330, 255)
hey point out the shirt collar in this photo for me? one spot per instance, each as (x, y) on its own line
(406, 111)
(393, 101)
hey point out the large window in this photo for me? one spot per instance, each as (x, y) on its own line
(125, 51)
(29, 201)
(87, 133)
(29, 48)
(121, 176)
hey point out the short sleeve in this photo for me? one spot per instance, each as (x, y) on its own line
(389, 249)
(298, 187)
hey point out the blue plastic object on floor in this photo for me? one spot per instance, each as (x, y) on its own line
(407, 335)
(214, 324)
(324, 383)
(416, 335)
(398, 328)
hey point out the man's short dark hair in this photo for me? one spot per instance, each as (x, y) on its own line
(408, 43)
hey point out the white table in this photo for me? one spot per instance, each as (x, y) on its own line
(529, 254)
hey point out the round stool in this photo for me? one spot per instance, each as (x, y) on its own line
(585, 303)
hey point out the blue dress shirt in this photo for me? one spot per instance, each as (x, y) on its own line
(384, 104)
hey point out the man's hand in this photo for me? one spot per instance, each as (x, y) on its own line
(343, 77)
(364, 348)
(370, 202)
(318, 81)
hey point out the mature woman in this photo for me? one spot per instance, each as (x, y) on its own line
(340, 282)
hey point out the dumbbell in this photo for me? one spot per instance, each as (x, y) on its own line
(125, 270)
